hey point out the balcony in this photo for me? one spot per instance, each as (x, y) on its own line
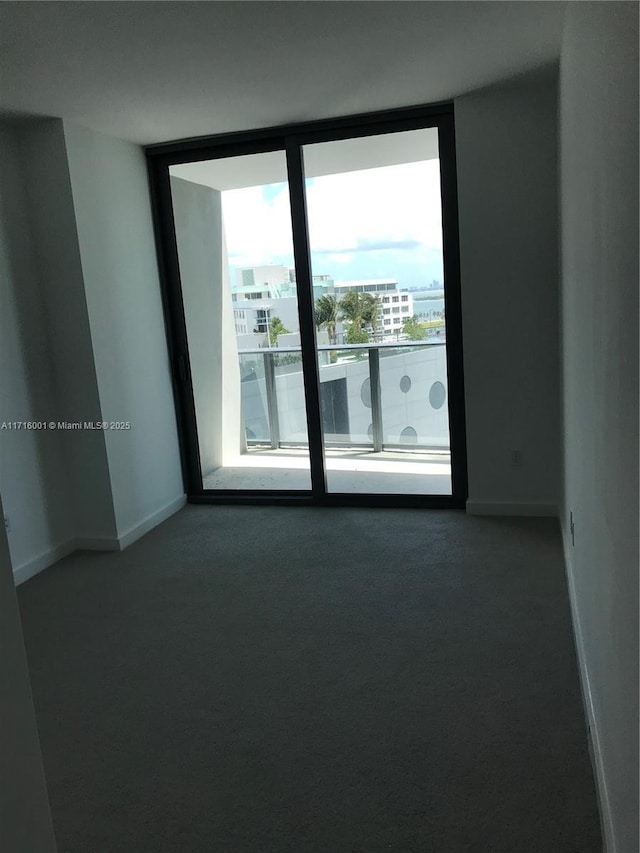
(384, 417)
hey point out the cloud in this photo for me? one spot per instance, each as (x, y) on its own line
(340, 258)
(377, 208)
(270, 191)
(258, 228)
(393, 208)
(373, 246)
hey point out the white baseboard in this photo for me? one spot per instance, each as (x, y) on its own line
(604, 802)
(524, 509)
(52, 555)
(151, 521)
(99, 543)
(42, 561)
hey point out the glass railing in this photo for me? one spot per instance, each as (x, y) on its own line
(374, 397)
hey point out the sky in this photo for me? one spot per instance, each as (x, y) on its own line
(373, 223)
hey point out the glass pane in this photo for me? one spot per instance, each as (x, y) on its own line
(375, 229)
(345, 399)
(292, 414)
(235, 250)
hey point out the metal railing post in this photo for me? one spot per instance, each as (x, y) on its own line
(272, 400)
(373, 354)
(376, 398)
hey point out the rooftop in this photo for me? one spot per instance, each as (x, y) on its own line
(365, 281)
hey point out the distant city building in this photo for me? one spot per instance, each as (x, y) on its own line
(396, 305)
(323, 285)
(253, 317)
(274, 281)
(366, 285)
(263, 292)
(271, 281)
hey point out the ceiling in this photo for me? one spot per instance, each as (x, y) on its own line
(324, 158)
(157, 71)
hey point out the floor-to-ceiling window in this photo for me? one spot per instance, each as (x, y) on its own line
(312, 298)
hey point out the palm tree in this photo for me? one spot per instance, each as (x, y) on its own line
(276, 327)
(359, 310)
(326, 311)
(371, 312)
(413, 329)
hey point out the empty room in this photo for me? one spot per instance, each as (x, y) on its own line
(319, 427)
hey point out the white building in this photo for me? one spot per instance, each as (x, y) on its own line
(252, 316)
(258, 297)
(396, 305)
(269, 281)
(396, 308)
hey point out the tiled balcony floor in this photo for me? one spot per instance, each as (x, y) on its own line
(388, 472)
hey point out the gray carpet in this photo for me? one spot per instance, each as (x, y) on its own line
(249, 679)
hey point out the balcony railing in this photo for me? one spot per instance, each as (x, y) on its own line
(272, 387)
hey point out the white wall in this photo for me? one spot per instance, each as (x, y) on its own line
(32, 471)
(506, 139)
(204, 275)
(116, 244)
(51, 212)
(25, 819)
(599, 209)
(82, 340)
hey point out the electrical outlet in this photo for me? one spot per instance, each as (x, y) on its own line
(516, 458)
(7, 523)
(572, 529)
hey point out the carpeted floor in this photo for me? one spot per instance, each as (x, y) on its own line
(298, 680)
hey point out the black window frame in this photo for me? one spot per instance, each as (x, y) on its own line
(290, 139)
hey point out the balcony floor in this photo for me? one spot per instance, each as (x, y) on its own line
(348, 471)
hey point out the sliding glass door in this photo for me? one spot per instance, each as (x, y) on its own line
(311, 290)
(234, 243)
(375, 234)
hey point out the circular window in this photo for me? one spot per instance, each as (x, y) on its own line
(409, 436)
(437, 395)
(365, 393)
(405, 383)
